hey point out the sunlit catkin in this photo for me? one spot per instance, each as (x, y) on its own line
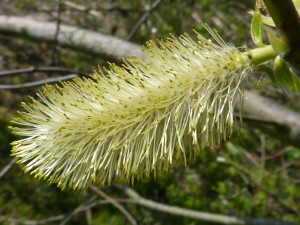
(133, 121)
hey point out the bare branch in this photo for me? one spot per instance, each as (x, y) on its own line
(7, 167)
(143, 19)
(203, 216)
(55, 50)
(83, 207)
(51, 219)
(34, 69)
(286, 123)
(276, 198)
(69, 36)
(88, 205)
(116, 204)
(85, 9)
(37, 83)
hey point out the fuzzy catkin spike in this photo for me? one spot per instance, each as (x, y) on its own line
(135, 120)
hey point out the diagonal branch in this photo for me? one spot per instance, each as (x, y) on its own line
(116, 204)
(202, 216)
(143, 19)
(7, 167)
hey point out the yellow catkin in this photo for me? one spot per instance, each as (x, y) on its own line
(133, 121)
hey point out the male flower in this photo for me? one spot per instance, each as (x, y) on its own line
(132, 121)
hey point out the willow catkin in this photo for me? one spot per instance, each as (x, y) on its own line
(132, 121)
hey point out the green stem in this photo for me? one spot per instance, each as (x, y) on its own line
(263, 54)
(259, 55)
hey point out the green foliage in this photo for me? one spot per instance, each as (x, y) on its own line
(285, 76)
(257, 29)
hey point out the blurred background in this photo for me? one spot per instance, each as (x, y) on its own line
(254, 175)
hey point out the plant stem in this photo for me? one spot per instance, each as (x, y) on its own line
(260, 55)
(287, 21)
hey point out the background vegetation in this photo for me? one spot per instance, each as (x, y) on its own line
(254, 175)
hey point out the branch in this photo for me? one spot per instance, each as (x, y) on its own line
(55, 50)
(276, 198)
(37, 83)
(69, 36)
(49, 220)
(34, 69)
(203, 216)
(286, 123)
(83, 207)
(88, 205)
(45, 69)
(116, 204)
(143, 19)
(7, 167)
(84, 9)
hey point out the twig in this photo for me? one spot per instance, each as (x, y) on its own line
(55, 51)
(279, 153)
(84, 207)
(282, 202)
(85, 9)
(181, 211)
(80, 208)
(88, 205)
(116, 204)
(64, 218)
(203, 216)
(263, 121)
(143, 19)
(7, 167)
(51, 219)
(89, 216)
(34, 69)
(37, 83)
